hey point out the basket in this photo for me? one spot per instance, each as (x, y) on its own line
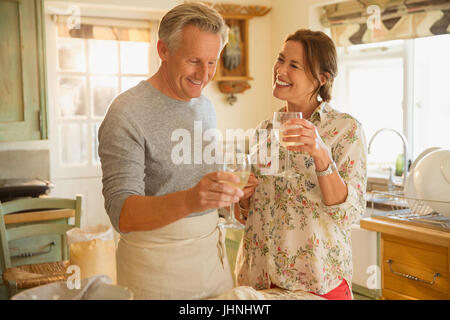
(33, 275)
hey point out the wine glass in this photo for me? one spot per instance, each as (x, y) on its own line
(238, 164)
(279, 123)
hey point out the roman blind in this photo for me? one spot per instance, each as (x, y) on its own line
(366, 21)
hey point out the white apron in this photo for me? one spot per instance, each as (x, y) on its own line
(183, 260)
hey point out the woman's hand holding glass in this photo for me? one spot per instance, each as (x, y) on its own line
(244, 201)
(306, 138)
(250, 187)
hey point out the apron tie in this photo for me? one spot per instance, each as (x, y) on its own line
(221, 247)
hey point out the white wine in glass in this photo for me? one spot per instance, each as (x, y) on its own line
(288, 143)
(279, 123)
(240, 166)
(243, 179)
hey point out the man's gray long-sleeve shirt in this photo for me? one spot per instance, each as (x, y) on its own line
(136, 147)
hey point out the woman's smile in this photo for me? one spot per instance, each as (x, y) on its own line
(280, 84)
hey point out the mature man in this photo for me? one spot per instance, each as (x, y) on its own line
(170, 246)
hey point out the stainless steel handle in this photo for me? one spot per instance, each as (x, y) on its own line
(31, 254)
(410, 277)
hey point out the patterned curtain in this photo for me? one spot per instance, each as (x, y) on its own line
(365, 21)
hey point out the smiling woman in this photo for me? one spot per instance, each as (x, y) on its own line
(297, 234)
(305, 68)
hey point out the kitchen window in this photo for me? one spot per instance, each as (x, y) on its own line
(431, 93)
(399, 84)
(94, 62)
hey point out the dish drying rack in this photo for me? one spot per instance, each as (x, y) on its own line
(409, 210)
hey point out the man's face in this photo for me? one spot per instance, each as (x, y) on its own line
(189, 68)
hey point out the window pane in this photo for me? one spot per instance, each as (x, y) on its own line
(375, 93)
(103, 56)
(71, 55)
(73, 144)
(128, 82)
(134, 57)
(96, 158)
(431, 99)
(71, 97)
(103, 90)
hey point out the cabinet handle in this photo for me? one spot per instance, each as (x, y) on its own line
(32, 254)
(410, 277)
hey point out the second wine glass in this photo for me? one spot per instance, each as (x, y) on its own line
(279, 123)
(238, 164)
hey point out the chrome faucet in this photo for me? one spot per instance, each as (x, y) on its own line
(405, 150)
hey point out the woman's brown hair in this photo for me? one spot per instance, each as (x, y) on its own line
(320, 58)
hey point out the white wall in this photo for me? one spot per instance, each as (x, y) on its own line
(254, 105)
(290, 15)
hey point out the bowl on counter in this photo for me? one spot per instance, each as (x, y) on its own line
(432, 180)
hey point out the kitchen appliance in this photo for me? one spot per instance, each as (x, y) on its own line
(11, 189)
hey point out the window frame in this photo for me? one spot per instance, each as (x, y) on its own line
(92, 169)
(404, 50)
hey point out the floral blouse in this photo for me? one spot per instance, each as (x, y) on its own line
(292, 239)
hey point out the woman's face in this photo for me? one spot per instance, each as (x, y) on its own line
(291, 81)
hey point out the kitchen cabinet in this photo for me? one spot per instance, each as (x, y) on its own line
(415, 260)
(22, 76)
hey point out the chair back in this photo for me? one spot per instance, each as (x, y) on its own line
(45, 213)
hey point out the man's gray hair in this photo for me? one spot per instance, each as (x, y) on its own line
(200, 15)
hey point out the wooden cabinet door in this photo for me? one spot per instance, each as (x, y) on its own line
(416, 270)
(22, 79)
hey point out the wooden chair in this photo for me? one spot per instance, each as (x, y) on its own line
(33, 242)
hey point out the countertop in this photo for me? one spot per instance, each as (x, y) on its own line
(408, 231)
